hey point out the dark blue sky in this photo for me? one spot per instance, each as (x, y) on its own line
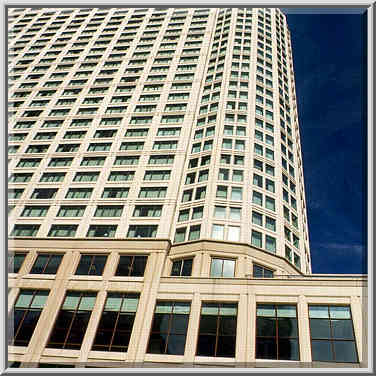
(329, 66)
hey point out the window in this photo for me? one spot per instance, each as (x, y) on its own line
(62, 230)
(116, 323)
(120, 192)
(15, 261)
(20, 178)
(93, 161)
(332, 334)
(277, 332)
(222, 268)
(72, 321)
(52, 177)
(131, 265)
(25, 316)
(256, 239)
(161, 159)
(101, 231)
(86, 176)
(91, 265)
(35, 211)
(165, 145)
(25, 230)
(79, 193)
(194, 232)
(147, 211)
(142, 231)
(217, 331)
(157, 175)
(262, 272)
(152, 192)
(121, 176)
(108, 211)
(169, 328)
(46, 263)
(182, 268)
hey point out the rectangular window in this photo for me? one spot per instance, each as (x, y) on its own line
(72, 321)
(277, 334)
(161, 159)
(108, 211)
(101, 231)
(262, 272)
(131, 266)
(86, 177)
(52, 177)
(120, 192)
(25, 230)
(91, 265)
(25, 316)
(121, 176)
(169, 328)
(152, 192)
(332, 334)
(116, 323)
(147, 211)
(182, 268)
(62, 231)
(142, 231)
(79, 193)
(222, 268)
(35, 211)
(15, 261)
(46, 263)
(217, 331)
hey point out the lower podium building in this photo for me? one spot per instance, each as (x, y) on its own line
(147, 303)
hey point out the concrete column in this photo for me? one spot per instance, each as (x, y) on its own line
(192, 331)
(251, 329)
(242, 329)
(356, 313)
(151, 286)
(303, 329)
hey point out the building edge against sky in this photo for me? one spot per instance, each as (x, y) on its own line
(160, 124)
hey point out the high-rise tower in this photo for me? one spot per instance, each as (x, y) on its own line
(147, 145)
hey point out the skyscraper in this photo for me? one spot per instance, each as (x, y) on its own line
(156, 180)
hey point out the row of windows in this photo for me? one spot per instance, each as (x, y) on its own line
(277, 335)
(101, 211)
(68, 230)
(85, 193)
(128, 265)
(95, 161)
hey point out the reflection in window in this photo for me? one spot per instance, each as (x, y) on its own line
(91, 265)
(25, 316)
(332, 334)
(277, 332)
(116, 323)
(46, 264)
(169, 328)
(182, 267)
(72, 321)
(131, 266)
(15, 261)
(222, 268)
(217, 332)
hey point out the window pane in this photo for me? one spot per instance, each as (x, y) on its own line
(322, 351)
(288, 349)
(342, 329)
(345, 351)
(339, 312)
(228, 268)
(320, 328)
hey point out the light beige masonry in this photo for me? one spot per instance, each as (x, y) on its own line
(247, 292)
(157, 211)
